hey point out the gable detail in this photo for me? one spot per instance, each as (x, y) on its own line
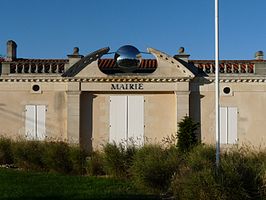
(85, 62)
(168, 66)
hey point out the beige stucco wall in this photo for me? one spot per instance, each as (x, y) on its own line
(83, 116)
(14, 96)
(248, 97)
(160, 116)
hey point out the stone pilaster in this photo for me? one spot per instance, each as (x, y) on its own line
(73, 116)
(182, 105)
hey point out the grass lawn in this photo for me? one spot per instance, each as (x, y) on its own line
(20, 185)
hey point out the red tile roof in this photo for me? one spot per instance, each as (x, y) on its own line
(147, 65)
(109, 63)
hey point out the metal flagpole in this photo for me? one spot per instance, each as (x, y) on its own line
(217, 94)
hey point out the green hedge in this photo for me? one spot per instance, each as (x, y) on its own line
(95, 166)
(6, 153)
(43, 156)
(78, 158)
(56, 157)
(29, 155)
(153, 167)
(189, 175)
(118, 159)
(241, 175)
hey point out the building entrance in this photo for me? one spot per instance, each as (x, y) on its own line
(127, 119)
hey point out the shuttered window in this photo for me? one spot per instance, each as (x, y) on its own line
(126, 119)
(228, 125)
(35, 122)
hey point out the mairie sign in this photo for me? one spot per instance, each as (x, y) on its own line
(127, 86)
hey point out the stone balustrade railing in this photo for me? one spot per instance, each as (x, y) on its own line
(209, 68)
(37, 68)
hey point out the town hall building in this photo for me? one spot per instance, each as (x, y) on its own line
(125, 97)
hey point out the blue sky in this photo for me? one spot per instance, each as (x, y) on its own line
(51, 28)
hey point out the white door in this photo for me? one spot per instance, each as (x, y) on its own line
(126, 119)
(118, 119)
(136, 119)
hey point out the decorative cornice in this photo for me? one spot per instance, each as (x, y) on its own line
(135, 79)
(237, 79)
(100, 80)
(209, 79)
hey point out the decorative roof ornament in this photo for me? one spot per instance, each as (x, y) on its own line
(76, 51)
(181, 50)
(128, 58)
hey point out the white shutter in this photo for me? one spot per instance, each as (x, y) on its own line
(232, 125)
(228, 125)
(136, 119)
(118, 119)
(30, 122)
(40, 123)
(223, 125)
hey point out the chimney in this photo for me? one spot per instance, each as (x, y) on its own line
(182, 55)
(11, 50)
(75, 57)
(259, 55)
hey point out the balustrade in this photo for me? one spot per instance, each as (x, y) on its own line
(209, 68)
(38, 68)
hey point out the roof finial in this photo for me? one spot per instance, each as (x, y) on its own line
(76, 51)
(181, 50)
(259, 55)
(182, 54)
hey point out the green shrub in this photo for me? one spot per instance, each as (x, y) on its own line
(77, 158)
(6, 153)
(261, 156)
(195, 178)
(95, 164)
(28, 154)
(56, 157)
(49, 156)
(153, 167)
(196, 185)
(186, 135)
(200, 157)
(239, 176)
(118, 159)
